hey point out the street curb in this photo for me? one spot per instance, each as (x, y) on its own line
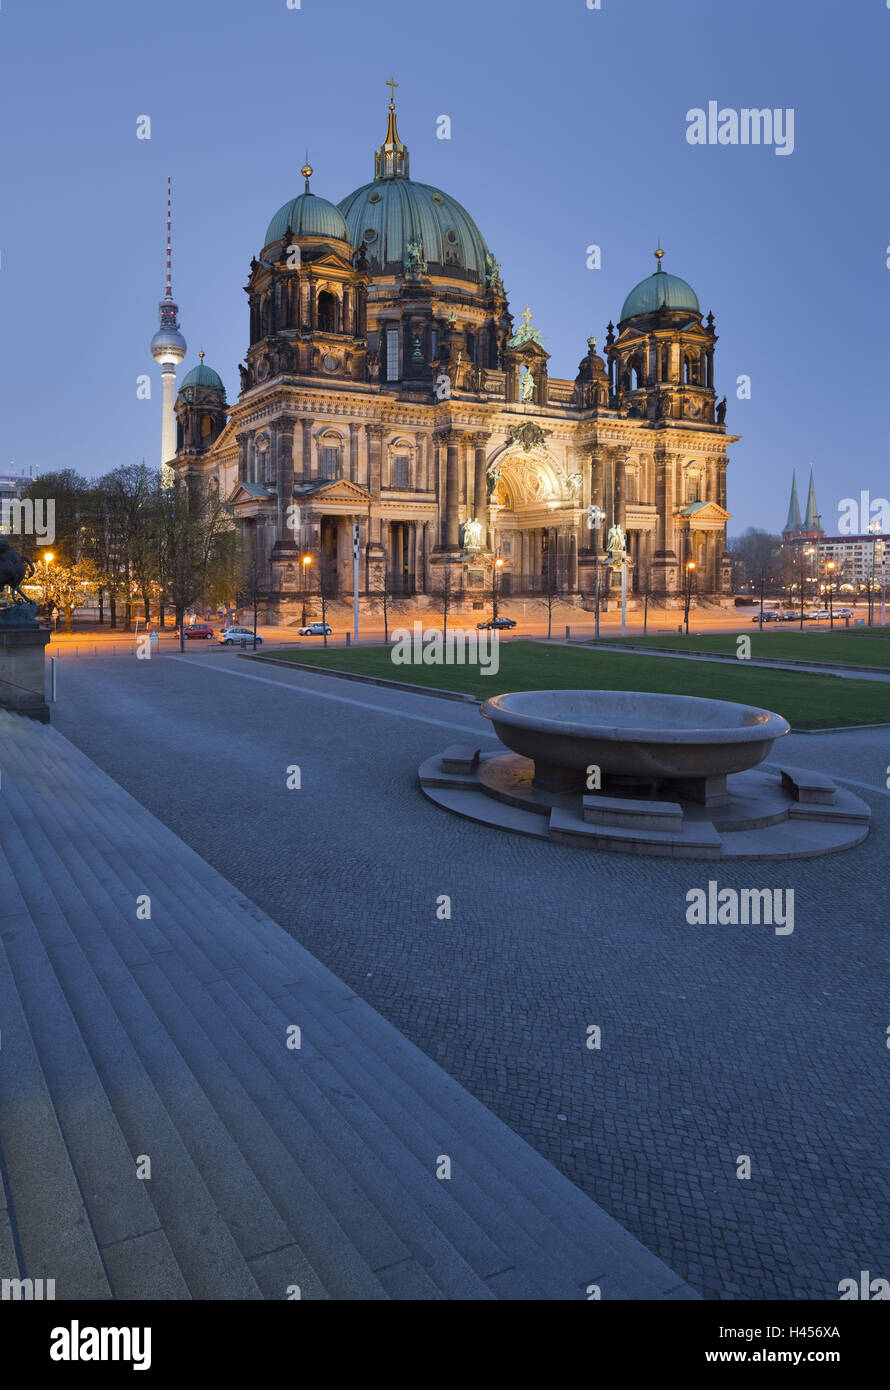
(440, 694)
(434, 691)
(828, 667)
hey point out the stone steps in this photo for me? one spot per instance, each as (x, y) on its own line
(270, 1167)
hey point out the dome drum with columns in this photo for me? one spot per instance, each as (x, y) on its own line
(386, 384)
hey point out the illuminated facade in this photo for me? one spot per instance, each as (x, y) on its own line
(386, 384)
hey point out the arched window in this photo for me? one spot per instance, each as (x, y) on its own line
(328, 312)
(329, 453)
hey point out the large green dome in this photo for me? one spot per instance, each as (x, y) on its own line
(389, 213)
(202, 376)
(307, 215)
(658, 290)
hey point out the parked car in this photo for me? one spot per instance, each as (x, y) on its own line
(844, 613)
(199, 630)
(497, 623)
(769, 616)
(818, 615)
(791, 615)
(315, 630)
(231, 635)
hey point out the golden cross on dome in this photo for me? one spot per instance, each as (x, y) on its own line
(392, 84)
(526, 316)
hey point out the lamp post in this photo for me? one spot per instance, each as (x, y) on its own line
(47, 561)
(831, 567)
(355, 553)
(304, 574)
(690, 566)
(595, 518)
(495, 585)
(875, 529)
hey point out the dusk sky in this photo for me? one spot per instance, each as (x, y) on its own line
(568, 129)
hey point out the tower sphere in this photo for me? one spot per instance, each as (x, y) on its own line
(168, 345)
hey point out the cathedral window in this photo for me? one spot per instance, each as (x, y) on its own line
(392, 354)
(400, 471)
(434, 344)
(330, 462)
(327, 312)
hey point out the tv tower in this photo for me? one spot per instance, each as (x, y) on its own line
(169, 348)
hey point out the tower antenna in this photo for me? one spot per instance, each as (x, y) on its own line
(169, 286)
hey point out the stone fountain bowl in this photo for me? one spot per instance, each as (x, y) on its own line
(631, 735)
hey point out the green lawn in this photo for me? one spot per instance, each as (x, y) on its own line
(807, 701)
(853, 648)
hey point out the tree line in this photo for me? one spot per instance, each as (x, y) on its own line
(132, 541)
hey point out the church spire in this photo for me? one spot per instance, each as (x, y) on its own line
(793, 524)
(812, 521)
(391, 158)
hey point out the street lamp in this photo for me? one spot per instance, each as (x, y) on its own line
(47, 561)
(831, 567)
(595, 518)
(495, 584)
(875, 529)
(690, 566)
(304, 572)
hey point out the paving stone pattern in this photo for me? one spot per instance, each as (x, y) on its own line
(717, 1041)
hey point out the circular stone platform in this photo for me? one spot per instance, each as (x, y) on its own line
(782, 813)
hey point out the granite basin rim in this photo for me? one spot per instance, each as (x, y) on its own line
(760, 724)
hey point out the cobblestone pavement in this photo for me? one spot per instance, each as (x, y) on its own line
(717, 1042)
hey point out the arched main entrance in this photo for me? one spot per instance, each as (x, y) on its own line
(533, 526)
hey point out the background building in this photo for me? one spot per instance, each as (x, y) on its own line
(385, 384)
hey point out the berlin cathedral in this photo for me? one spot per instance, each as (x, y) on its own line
(387, 385)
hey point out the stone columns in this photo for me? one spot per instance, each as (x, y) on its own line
(451, 531)
(375, 459)
(620, 494)
(284, 442)
(307, 451)
(480, 484)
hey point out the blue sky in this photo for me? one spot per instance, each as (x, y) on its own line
(568, 128)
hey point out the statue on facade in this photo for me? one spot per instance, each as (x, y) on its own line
(473, 534)
(615, 541)
(415, 263)
(245, 376)
(721, 412)
(360, 259)
(573, 485)
(492, 271)
(527, 385)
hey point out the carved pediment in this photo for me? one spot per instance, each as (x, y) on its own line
(708, 512)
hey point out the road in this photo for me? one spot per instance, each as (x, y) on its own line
(717, 1042)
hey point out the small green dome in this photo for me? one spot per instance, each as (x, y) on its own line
(203, 376)
(390, 213)
(307, 215)
(658, 290)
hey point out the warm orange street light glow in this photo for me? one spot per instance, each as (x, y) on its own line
(690, 565)
(307, 559)
(47, 555)
(500, 564)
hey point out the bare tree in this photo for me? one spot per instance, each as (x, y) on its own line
(386, 593)
(549, 593)
(199, 555)
(445, 591)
